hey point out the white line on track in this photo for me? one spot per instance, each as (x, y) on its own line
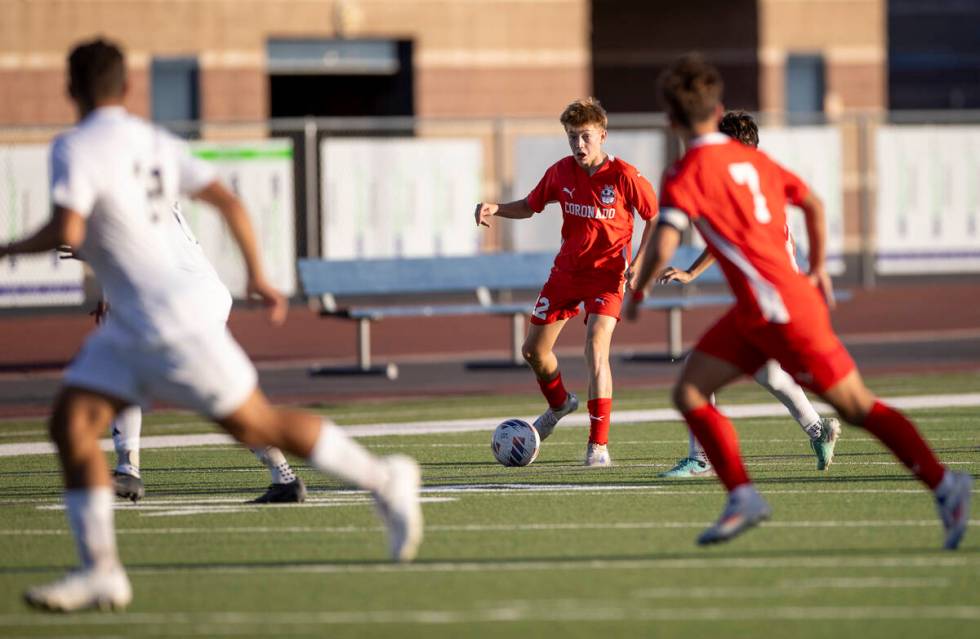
(487, 424)
(790, 588)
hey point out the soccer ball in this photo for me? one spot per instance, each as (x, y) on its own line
(515, 443)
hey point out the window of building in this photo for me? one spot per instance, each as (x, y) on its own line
(175, 90)
(804, 84)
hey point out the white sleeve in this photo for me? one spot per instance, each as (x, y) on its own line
(673, 216)
(194, 173)
(71, 186)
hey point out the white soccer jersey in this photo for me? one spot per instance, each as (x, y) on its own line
(124, 175)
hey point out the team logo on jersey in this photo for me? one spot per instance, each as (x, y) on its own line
(608, 194)
(571, 192)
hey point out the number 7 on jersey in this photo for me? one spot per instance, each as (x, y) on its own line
(745, 174)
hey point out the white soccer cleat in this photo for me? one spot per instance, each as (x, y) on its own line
(597, 455)
(84, 589)
(823, 446)
(953, 503)
(545, 424)
(398, 505)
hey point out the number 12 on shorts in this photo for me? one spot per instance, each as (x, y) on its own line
(746, 175)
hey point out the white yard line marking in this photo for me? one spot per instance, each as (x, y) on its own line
(249, 622)
(789, 588)
(488, 424)
(478, 528)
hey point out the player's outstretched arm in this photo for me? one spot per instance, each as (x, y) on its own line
(65, 227)
(700, 265)
(517, 210)
(234, 214)
(816, 225)
(662, 246)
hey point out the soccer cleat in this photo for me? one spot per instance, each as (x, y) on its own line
(745, 508)
(690, 467)
(954, 507)
(823, 446)
(292, 493)
(83, 589)
(128, 486)
(597, 455)
(398, 505)
(545, 424)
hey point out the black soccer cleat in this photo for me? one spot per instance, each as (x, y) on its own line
(128, 486)
(292, 493)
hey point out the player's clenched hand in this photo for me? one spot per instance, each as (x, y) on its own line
(671, 274)
(272, 298)
(821, 280)
(484, 211)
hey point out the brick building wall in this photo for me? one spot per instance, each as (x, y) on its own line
(472, 57)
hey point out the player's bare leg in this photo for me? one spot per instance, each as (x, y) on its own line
(539, 353)
(599, 332)
(393, 481)
(703, 375)
(859, 406)
(79, 418)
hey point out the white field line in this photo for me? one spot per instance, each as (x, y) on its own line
(791, 588)
(477, 528)
(224, 623)
(498, 490)
(488, 424)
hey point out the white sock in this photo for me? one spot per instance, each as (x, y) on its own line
(126, 439)
(91, 519)
(337, 454)
(277, 464)
(694, 450)
(788, 392)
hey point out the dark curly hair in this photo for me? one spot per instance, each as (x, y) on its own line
(740, 126)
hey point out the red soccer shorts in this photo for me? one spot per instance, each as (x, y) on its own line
(602, 294)
(806, 349)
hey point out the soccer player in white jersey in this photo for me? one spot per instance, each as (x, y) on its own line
(286, 486)
(822, 432)
(113, 177)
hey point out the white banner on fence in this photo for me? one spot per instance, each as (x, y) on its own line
(261, 173)
(401, 197)
(533, 154)
(928, 218)
(814, 154)
(25, 206)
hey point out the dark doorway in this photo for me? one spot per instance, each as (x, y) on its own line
(345, 87)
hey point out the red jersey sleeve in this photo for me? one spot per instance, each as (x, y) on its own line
(546, 191)
(640, 195)
(796, 189)
(677, 206)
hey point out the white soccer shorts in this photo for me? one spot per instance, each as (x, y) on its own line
(207, 372)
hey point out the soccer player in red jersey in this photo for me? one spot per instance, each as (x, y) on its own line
(736, 197)
(598, 195)
(822, 432)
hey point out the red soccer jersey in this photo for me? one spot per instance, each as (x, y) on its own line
(736, 196)
(597, 211)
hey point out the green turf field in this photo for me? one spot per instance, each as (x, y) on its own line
(552, 550)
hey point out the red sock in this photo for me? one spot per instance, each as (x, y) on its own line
(900, 435)
(554, 391)
(717, 436)
(599, 410)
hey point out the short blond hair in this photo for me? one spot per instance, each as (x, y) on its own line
(583, 112)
